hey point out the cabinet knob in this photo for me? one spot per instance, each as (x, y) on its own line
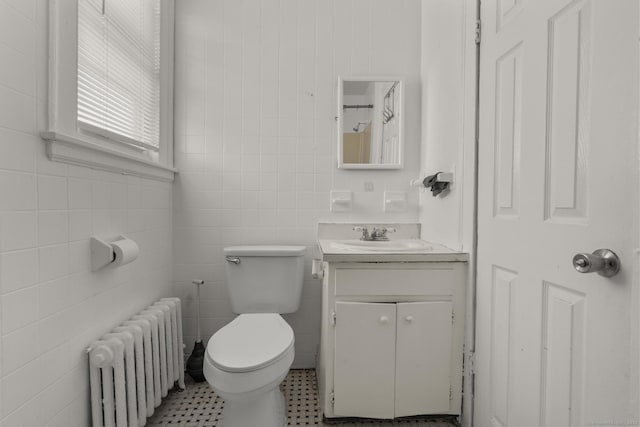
(384, 320)
(409, 319)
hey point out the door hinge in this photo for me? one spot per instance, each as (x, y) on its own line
(478, 31)
(450, 393)
(471, 362)
(332, 398)
(333, 318)
(453, 317)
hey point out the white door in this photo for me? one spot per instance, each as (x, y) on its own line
(558, 112)
(364, 368)
(424, 340)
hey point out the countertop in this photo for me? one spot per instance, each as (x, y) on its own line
(436, 253)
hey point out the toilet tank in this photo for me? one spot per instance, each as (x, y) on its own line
(264, 279)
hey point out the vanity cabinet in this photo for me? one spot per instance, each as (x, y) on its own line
(392, 339)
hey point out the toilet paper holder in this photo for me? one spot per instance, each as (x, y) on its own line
(118, 251)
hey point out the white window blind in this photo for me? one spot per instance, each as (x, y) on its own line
(119, 70)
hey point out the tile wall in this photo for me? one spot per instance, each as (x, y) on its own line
(256, 102)
(52, 305)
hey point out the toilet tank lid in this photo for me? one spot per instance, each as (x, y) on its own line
(265, 250)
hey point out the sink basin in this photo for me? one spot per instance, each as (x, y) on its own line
(400, 245)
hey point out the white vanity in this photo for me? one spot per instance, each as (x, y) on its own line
(392, 325)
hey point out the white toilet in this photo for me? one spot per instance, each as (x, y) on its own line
(247, 359)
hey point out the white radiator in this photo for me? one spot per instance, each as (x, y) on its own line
(134, 366)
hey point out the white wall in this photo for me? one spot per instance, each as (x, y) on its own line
(256, 85)
(53, 307)
(448, 128)
(448, 107)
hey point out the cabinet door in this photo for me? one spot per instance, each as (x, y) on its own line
(364, 367)
(423, 358)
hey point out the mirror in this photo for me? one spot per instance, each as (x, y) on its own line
(370, 123)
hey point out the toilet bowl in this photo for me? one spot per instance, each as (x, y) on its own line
(245, 362)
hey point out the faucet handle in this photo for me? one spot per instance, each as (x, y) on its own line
(364, 230)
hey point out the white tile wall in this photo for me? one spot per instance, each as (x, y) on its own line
(51, 304)
(256, 85)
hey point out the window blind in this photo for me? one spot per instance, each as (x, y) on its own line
(119, 70)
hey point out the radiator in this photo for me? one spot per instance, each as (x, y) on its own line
(135, 365)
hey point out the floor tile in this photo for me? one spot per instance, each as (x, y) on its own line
(199, 406)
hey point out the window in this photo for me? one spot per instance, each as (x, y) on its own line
(119, 70)
(110, 98)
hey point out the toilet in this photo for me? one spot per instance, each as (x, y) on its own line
(247, 359)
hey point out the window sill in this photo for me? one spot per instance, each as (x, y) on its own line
(67, 149)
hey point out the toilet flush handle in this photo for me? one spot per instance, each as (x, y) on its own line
(233, 259)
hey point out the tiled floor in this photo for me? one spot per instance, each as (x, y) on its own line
(199, 406)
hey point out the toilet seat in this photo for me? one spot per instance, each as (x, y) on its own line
(250, 342)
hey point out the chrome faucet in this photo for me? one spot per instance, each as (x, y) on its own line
(377, 234)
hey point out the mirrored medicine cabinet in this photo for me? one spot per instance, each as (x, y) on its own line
(370, 123)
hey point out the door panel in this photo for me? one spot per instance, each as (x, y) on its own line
(504, 283)
(508, 133)
(423, 358)
(558, 129)
(364, 372)
(563, 360)
(567, 107)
